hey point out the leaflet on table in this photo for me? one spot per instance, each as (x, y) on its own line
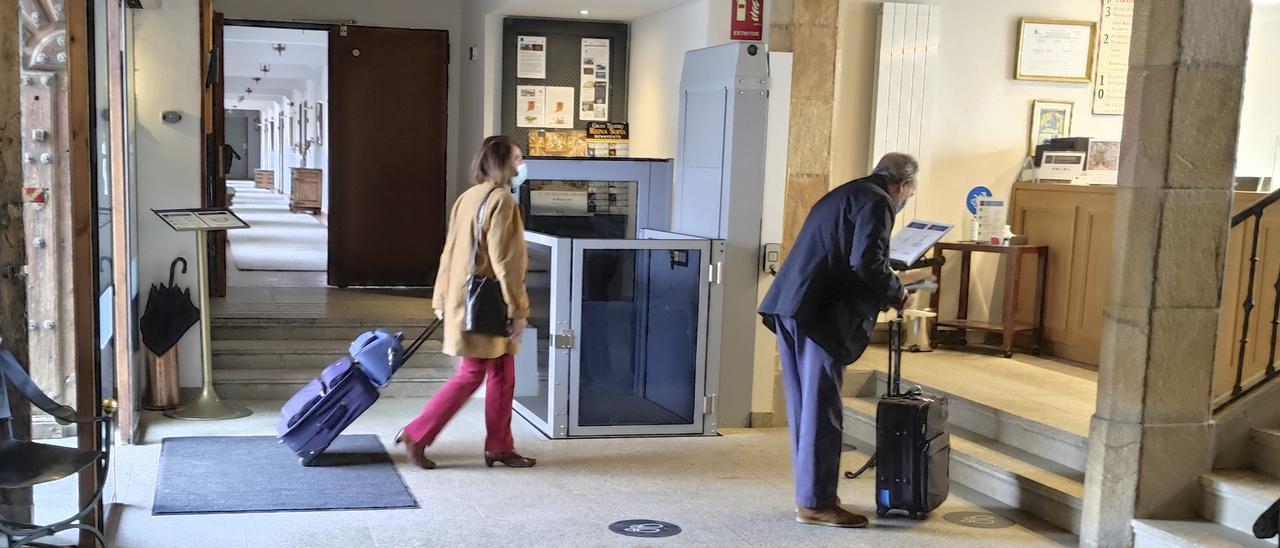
(915, 239)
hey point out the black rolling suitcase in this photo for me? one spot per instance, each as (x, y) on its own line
(913, 448)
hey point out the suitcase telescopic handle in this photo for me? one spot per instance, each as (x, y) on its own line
(895, 355)
(421, 339)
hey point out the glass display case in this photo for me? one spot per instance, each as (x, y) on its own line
(617, 343)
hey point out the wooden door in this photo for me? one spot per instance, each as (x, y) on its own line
(388, 110)
(213, 122)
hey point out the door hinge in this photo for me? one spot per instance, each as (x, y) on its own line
(564, 339)
(708, 404)
(715, 272)
(342, 31)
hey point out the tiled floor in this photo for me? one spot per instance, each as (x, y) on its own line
(733, 490)
(277, 239)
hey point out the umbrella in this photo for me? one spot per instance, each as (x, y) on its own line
(170, 313)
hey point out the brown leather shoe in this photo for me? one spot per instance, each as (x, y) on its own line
(415, 452)
(830, 517)
(510, 459)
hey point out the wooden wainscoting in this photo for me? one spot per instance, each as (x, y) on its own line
(1234, 291)
(1077, 223)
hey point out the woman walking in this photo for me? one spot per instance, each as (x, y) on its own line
(485, 245)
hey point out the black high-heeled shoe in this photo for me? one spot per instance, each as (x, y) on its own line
(509, 459)
(416, 453)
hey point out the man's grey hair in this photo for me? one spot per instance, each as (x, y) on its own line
(897, 167)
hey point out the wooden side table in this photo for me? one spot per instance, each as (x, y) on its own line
(1009, 326)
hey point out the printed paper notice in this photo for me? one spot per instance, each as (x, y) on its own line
(531, 61)
(559, 108)
(593, 101)
(1113, 56)
(530, 106)
(913, 240)
(558, 202)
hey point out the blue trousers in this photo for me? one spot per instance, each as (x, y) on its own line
(812, 380)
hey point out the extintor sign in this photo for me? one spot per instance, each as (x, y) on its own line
(747, 21)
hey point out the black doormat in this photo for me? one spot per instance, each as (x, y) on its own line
(219, 474)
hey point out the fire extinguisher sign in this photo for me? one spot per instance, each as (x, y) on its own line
(748, 20)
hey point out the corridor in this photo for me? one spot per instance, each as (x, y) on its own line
(277, 240)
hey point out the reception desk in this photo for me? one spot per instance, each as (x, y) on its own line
(1078, 225)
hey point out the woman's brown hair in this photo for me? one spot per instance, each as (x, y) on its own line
(493, 161)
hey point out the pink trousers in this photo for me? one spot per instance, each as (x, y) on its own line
(497, 403)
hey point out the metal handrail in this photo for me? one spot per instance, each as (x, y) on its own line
(1239, 389)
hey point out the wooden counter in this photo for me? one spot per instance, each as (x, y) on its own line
(1078, 225)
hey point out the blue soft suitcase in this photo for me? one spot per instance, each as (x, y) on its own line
(318, 413)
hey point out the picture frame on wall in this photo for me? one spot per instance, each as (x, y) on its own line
(1049, 119)
(1055, 50)
(318, 117)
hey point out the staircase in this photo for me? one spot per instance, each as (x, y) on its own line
(270, 358)
(1015, 460)
(1233, 500)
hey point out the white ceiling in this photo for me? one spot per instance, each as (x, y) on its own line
(606, 10)
(248, 48)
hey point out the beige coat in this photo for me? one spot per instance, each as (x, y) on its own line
(501, 256)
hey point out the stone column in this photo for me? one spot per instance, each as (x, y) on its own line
(811, 33)
(15, 504)
(1150, 438)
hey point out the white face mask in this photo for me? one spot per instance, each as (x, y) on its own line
(522, 174)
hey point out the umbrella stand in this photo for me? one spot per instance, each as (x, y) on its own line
(208, 406)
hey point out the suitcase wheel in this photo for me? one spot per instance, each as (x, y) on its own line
(882, 511)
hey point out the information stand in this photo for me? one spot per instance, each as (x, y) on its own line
(208, 406)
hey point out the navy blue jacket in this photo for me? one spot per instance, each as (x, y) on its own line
(836, 278)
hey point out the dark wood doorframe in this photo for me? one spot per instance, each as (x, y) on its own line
(380, 195)
(213, 191)
(84, 261)
(213, 122)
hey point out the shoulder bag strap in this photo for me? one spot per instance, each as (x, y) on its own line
(475, 241)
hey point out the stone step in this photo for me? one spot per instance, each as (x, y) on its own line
(310, 354)
(1037, 438)
(280, 384)
(1266, 450)
(1191, 534)
(1034, 485)
(313, 328)
(1235, 498)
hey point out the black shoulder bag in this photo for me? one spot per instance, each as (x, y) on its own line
(486, 309)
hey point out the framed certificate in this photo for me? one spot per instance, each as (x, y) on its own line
(1055, 50)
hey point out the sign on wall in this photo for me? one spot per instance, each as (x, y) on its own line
(1113, 56)
(747, 21)
(532, 57)
(595, 80)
